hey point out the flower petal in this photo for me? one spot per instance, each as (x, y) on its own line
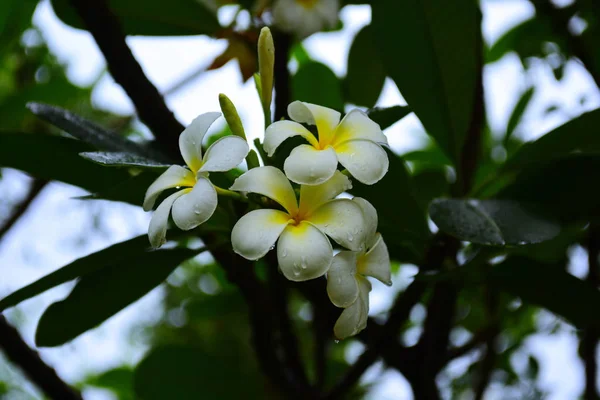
(256, 232)
(279, 131)
(190, 140)
(370, 216)
(376, 262)
(354, 318)
(366, 160)
(326, 119)
(270, 182)
(225, 154)
(157, 230)
(311, 197)
(357, 125)
(309, 166)
(343, 221)
(303, 252)
(195, 207)
(342, 287)
(174, 176)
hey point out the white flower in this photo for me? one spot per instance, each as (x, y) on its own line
(303, 250)
(354, 142)
(305, 17)
(347, 285)
(197, 201)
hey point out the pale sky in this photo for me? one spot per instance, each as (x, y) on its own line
(47, 237)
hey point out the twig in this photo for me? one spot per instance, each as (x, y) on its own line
(478, 339)
(34, 190)
(32, 365)
(489, 359)
(127, 72)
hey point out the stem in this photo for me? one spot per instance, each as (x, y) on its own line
(35, 189)
(231, 194)
(283, 43)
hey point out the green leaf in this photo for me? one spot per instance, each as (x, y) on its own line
(130, 190)
(429, 184)
(492, 222)
(57, 158)
(78, 269)
(89, 132)
(388, 116)
(151, 17)
(430, 48)
(366, 74)
(561, 186)
(104, 292)
(118, 380)
(317, 83)
(401, 220)
(551, 287)
(518, 112)
(185, 372)
(577, 135)
(121, 159)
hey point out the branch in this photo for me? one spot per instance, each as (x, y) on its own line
(127, 72)
(589, 340)
(478, 338)
(283, 43)
(34, 190)
(32, 365)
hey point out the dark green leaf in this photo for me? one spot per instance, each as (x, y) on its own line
(150, 17)
(121, 159)
(77, 269)
(525, 38)
(429, 184)
(130, 190)
(518, 112)
(104, 292)
(366, 74)
(401, 220)
(388, 116)
(317, 83)
(57, 158)
(185, 372)
(89, 132)
(561, 186)
(118, 380)
(492, 222)
(430, 48)
(551, 287)
(576, 135)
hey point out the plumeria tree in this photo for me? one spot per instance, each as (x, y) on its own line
(304, 221)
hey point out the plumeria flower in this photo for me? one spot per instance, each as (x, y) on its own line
(197, 200)
(305, 17)
(354, 142)
(303, 250)
(347, 285)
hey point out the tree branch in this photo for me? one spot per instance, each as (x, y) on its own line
(32, 365)
(34, 190)
(127, 72)
(283, 43)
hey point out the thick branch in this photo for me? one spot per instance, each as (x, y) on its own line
(127, 72)
(32, 365)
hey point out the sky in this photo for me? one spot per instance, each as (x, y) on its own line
(49, 236)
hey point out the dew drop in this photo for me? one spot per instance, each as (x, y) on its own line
(350, 237)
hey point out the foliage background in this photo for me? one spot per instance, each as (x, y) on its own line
(529, 347)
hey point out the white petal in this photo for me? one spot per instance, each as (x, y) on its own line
(354, 318)
(190, 140)
(195, 207)
(312, 197)
(270, 182)
(366, 160)
(279, 131)
(357, 125)
(376, 262)
(303, 252)
(309, 166)
(343, 221)
(256, 232)
(157, 230)
(370, 216)
(174, 176)
(326, 119)
(225, 154)
(342, 287)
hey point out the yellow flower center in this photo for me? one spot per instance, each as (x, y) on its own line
(307, 3)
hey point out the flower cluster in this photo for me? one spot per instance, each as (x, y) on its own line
(300, 212)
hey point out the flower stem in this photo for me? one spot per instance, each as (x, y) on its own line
(231, 194)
